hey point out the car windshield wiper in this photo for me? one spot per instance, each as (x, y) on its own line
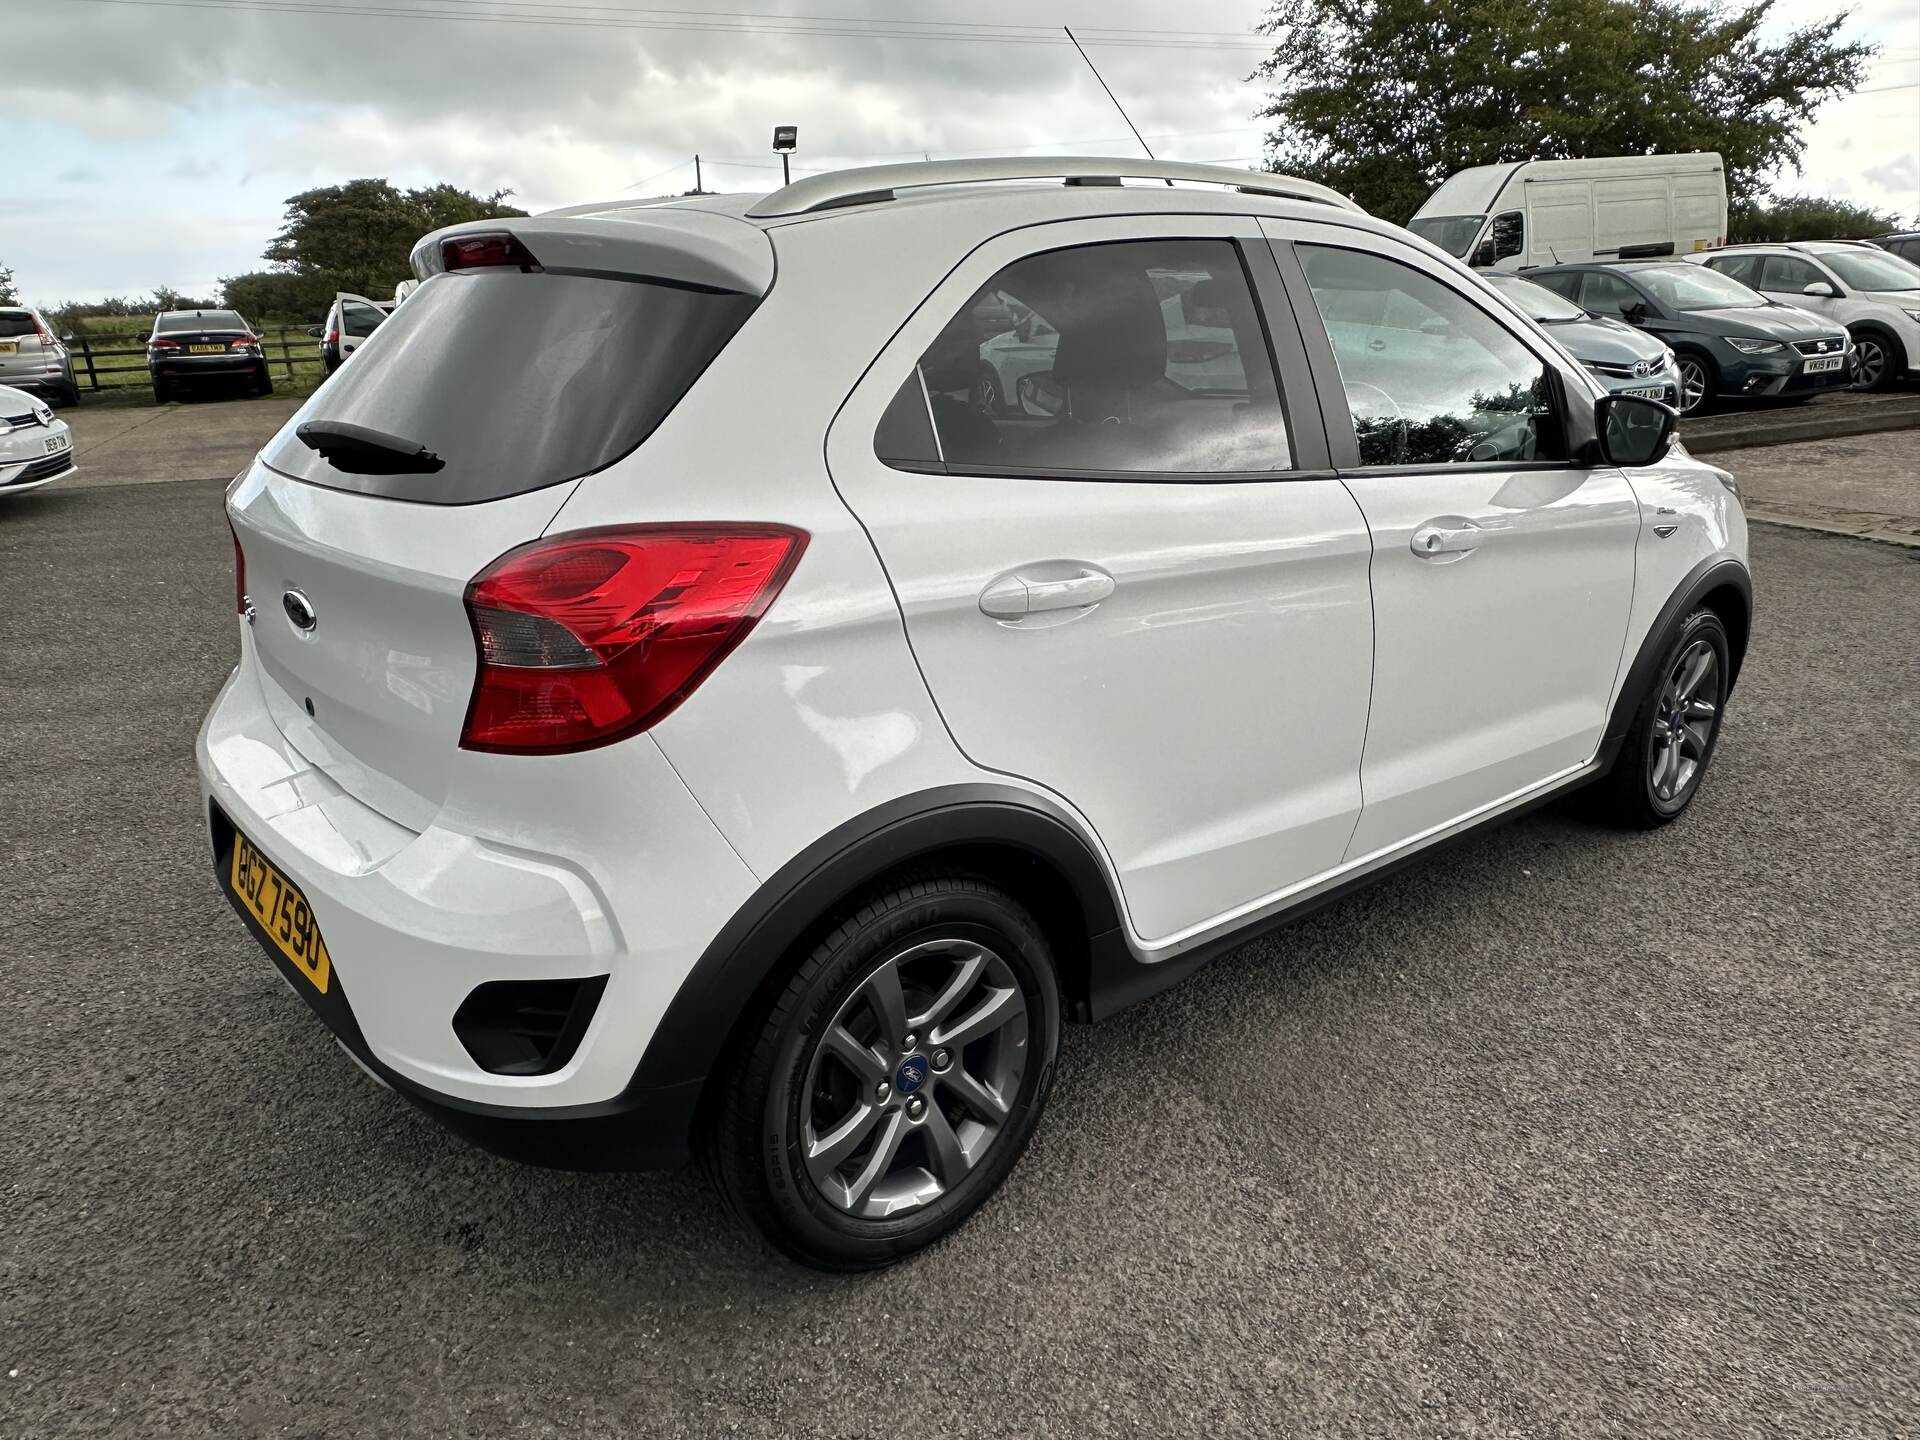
(360, 451)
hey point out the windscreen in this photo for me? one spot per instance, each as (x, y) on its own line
(1695, 287)
(14, 323)
(1863, 270)
(516, 380)
(1537, 301)
(1452, 233)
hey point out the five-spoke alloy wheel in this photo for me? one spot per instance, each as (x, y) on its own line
(1664, 756)
(898, 1077)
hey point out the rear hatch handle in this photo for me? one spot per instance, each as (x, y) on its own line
(358, 450)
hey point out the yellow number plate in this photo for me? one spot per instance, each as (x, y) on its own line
(276, 902)
(206, 349)
(9, 347)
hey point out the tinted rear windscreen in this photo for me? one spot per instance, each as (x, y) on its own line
(204, 320)
(517, 380)
(14, 323)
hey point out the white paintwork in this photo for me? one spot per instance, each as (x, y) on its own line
(1583, 209)
(1203, 725)
(350, 343)
(39, 435)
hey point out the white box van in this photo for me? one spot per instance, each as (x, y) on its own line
(1546, 212)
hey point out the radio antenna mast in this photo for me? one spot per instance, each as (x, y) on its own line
(1109, 89)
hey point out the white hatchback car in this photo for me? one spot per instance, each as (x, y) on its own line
(673, 717)
(36, 448)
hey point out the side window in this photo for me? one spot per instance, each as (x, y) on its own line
(1139, 355)
(1606, 294)
(360, 320)
(1430, 378)
(1564, 284)
(1744, 268)
(1507, 236)
(1787, 272)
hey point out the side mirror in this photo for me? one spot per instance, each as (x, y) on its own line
(1633, 430)
(1820, 289)
(1040, 393)
(1483, 256)
(67, 339)
(1635, 314)
(315, 331)
(1206, 305)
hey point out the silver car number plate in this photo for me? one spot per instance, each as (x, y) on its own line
(1651, 392)
(1825, 362)
(57, 443)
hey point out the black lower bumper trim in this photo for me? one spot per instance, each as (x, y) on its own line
(643, 1128)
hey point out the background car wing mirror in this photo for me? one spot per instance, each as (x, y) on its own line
(1635, 312)
(315, 331)
(67, 339)
(1040, 393)
(1818, 288)
(1634, 430)
(1207, 304)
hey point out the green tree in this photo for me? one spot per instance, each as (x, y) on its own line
(8, 295)
(357, 236)
(280, 297)
(1806, 217)
(1384, 99)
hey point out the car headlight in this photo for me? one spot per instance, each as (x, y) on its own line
(43, 414)
(1753, 347)
(1913, 315)
(6, 428)
(1668, 360)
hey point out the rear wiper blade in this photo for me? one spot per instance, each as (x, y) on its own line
(360, 451)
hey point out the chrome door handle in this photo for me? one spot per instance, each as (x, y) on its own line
(1448, 537)
(1016, 596)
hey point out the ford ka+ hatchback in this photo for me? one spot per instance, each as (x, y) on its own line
(675, 717)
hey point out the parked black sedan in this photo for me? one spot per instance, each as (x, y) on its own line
(1729, 341)
(191, 345)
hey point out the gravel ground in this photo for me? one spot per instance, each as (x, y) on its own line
(1565, 1133)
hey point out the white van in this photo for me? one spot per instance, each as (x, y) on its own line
(1545, 212)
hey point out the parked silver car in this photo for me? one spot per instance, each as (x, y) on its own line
(33, 358)
(1625, 360)
(1875, 294)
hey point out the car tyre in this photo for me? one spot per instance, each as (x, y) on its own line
(65, 396)
(1665, 754)
(262, 382)
(1877, 359)
(162, 391)
(848, 1148)
(1699, 382)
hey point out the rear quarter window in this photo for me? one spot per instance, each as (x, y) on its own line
(517, 380)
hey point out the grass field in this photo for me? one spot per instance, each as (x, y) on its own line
(118, 348)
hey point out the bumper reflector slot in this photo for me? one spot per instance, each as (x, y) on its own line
(527, 1027)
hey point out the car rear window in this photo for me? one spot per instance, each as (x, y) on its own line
(15, 322)
(202, 320)
(517, 381)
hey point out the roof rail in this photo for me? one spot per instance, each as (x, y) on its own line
(879, 182)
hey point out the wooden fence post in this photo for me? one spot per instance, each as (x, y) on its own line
(86, 354)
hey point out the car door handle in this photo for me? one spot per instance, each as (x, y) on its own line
(1447, 538)
(1017, 595)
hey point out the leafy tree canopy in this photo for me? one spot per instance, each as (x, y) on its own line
(357, 236)
(1384, 99)
(1807, 217)
(8, 295)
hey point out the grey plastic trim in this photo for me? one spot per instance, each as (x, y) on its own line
(690, 247)
(874, 183)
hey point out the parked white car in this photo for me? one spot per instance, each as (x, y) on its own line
(736, 742)
(1875, 295)
(1555, 212)
(36, 447)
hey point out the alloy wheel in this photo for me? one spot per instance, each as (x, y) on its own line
(1693, 384)
(1684, 723)
(914, 1078)
(986, 394)
(1869, 362)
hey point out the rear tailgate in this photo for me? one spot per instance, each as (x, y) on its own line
(456, 435)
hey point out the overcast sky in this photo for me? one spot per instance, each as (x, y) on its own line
(155, 143)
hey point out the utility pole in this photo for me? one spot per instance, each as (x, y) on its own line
(698, 188)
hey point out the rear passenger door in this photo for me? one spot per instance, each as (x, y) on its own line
(1502, 568)
(1132, 579)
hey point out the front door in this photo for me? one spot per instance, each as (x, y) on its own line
(359, 318)
(1502, 574)
(1116, 578)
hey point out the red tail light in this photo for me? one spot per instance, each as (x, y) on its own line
(589, 637)
(163, 344)
(471, 252)
(333, 337)
(239, 572)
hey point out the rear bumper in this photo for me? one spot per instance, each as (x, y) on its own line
(186, 367)
(414, 922)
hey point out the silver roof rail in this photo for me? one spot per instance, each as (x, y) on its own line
(879, 182)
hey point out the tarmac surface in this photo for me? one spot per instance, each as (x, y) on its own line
(1565, 1132)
